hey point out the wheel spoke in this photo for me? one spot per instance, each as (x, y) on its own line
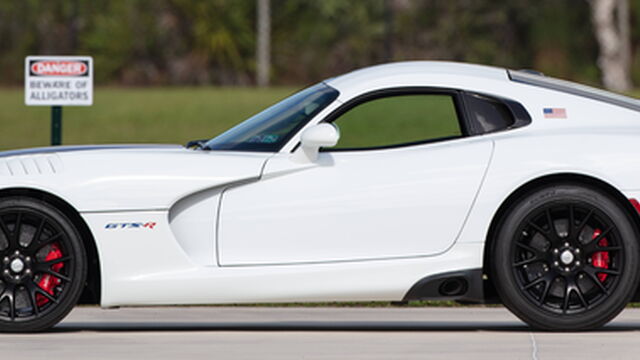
(590, 250)
(607, 271)
(594, 279)
(16, 230)
(554, 238)
(6, 232)
(34, 246)
(545, 291)
(58, 275)
(584, 222)
(44, 266)
(38, 233)
(32, 297)
(603, 234)
(572, 221)
(567, 297)
(536, 282)
(41, 291)
(537, 228)
(527, 261)
(9, 294)
(592, 270)
(609, 248)
(537, 253)
(578, 292)
(11, 236)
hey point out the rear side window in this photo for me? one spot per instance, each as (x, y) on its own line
(487, 115)
(398, 119)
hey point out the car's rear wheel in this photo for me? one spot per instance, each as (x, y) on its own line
(565, 258)
(42, 265)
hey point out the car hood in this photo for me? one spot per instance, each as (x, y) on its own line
(126, 177)
(59, 149)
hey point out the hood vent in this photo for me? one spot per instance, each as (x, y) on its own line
(30, 165)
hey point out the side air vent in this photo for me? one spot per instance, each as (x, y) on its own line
(463, 286)
(30, 165)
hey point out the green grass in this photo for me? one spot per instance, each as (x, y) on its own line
(176, 115)
(132, 115)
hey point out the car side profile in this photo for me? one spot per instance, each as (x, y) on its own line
(398, 182)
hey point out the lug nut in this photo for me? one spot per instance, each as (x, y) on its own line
(577, 263)
(6, 272)
(17, 252)
(6, 259)
(555, 251)
(577, 251)
(28, 271)
(555, 263)
(17, 277)
(566, 244)
(28, 259)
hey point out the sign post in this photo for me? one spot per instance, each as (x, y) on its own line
(56, 125)
(58, 81)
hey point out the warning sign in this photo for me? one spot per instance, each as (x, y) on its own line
(58, 80)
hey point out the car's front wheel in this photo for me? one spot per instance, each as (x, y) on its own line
(565, 258)
(42, 265)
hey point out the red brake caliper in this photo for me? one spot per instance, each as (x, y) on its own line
(48, 282)
(600, 259)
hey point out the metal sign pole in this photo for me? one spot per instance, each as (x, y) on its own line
(56, 125)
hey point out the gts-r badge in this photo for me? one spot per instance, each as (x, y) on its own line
(131, 225)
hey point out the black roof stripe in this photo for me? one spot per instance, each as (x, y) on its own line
(574, 89)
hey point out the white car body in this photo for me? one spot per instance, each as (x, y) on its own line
(178, 226)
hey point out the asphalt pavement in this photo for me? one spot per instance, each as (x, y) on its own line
(316, 333)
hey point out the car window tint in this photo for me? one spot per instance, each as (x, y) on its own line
(488, 115)
(396, 120)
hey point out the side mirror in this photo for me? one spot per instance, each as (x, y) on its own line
(321, 135)
(315, 137)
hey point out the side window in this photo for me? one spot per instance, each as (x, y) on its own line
(398, 119)
(487, 115)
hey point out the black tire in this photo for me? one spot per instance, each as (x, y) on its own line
(561, 277)
(43, 265)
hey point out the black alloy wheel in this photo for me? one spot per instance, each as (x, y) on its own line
(42, 265)
(566, 258)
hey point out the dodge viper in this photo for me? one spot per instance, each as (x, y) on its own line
(398, 182)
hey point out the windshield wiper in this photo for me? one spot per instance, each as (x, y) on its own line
(197, 144)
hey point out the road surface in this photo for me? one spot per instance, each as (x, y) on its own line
(316, 333)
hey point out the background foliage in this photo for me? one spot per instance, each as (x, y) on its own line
(184, 42)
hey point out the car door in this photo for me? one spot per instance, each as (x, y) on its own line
(399, 183)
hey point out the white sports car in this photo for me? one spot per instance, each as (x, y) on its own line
(445, 181)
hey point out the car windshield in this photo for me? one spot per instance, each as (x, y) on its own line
(270, 129)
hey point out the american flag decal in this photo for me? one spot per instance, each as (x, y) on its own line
(555, 113)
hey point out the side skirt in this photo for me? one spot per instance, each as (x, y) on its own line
(463, 286)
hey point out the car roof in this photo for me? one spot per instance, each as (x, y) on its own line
(463, 75)
(415, 73)
(421, 68)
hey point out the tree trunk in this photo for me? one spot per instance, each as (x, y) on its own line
(611, 25)
(264, 43)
